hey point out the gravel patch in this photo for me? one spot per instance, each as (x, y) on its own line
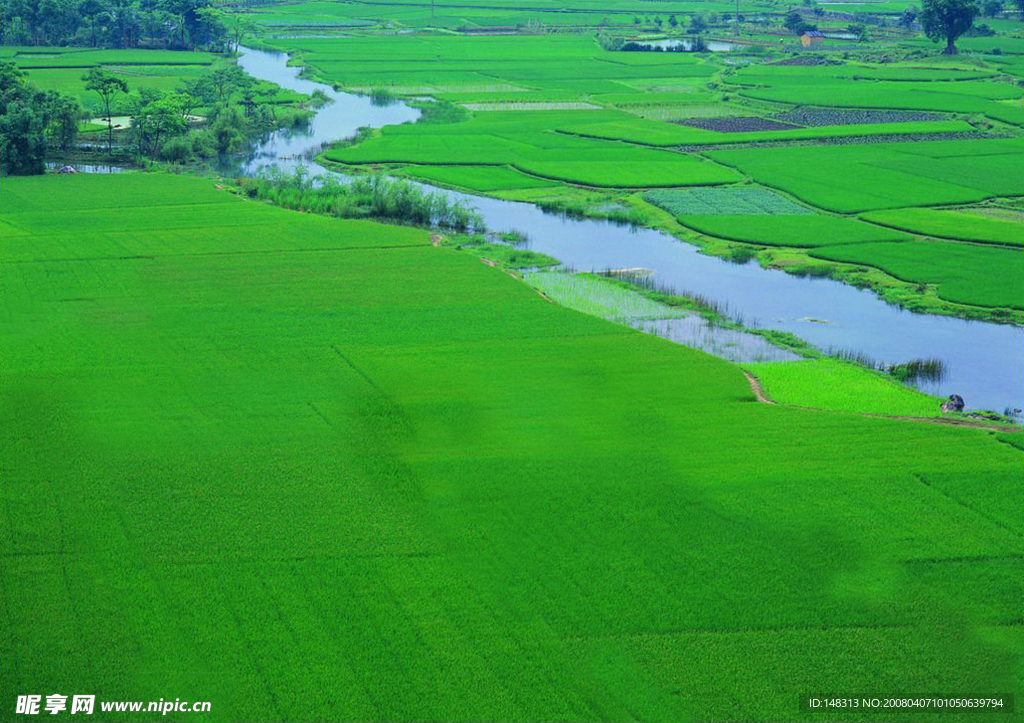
(816, 118)
(738, 124)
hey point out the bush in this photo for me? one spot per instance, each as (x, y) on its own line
(176, 150)
(374, 196)
(204, 145)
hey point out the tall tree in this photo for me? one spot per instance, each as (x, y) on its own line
(22, 141)
(948, 20)
(991, 8)
(240, 27)
(108, 86)
(28, 118)
(908, 17)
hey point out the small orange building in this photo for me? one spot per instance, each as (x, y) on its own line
(812, 38)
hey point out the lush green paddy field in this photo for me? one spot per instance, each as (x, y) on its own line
(550, 117)
(310, 469)
(837, 385)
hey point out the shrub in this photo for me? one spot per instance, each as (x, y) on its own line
(374, 196)
(176, 150)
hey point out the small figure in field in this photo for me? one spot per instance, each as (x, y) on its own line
(68, 169)
(955, 404)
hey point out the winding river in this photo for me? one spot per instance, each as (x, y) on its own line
(983, 362)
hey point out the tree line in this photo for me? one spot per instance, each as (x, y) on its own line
(172, 24)
(32, 121)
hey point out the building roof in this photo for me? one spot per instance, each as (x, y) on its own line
(814, 34)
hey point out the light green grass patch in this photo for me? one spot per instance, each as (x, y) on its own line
(964, 273)
(530, 105)
(963, 225)
(665, 134)
(886, 175)
(802, 230)
(599, 298)
(479, 178)
(837, 385)
(743, 200)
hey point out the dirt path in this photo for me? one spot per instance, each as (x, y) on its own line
(758, 390)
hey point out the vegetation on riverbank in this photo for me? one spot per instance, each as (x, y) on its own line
(368, 196)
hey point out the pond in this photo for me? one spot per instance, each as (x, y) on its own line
(87, 167)
(715, 46)
(983, 362)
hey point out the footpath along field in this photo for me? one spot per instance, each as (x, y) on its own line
(862, 152)
(311, 469)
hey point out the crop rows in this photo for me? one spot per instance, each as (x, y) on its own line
(738, 124)
(821, 117)
(528, 106)
(724, 201)
(677, 111)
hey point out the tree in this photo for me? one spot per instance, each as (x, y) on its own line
(858, 30)
(697, 24)
(794, 22)
(63, 117)
(28, 118)
(948, 20)
(193, 92)
(156, 121)
(22, 142)
(672, 21)
(907, 18)
(108, 86)
(228, 128)
(225, 81)
(991, 8)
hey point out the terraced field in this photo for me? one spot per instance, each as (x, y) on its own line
(311, 469)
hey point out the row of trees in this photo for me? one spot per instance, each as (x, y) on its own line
(159, 121)
(941, 20)
(176, 24)
(32, 121)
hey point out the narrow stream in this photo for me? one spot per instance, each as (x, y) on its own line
(984, 362)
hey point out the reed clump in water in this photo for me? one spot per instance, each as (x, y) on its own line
(372, 196)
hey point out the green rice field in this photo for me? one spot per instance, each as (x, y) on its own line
(342, 474)
(969, 224)
(496, 464)
(830, 384)
(963, 273)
